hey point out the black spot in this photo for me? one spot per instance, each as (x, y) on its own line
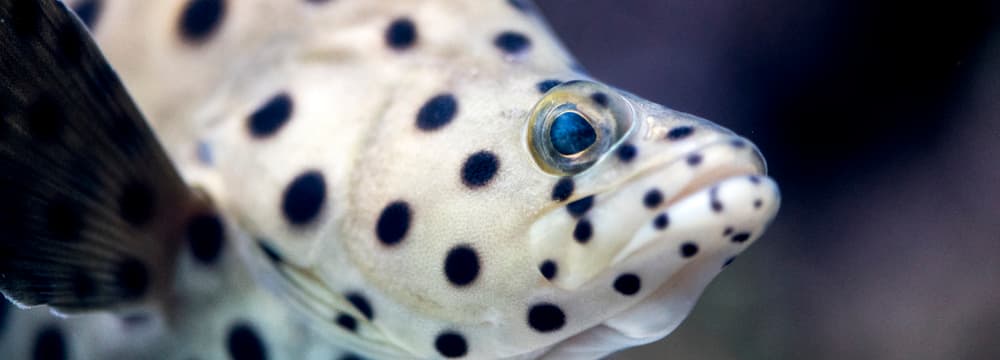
(694, 159)
(626, 152)
(63, 220)
(583, 231)
(600, 99)
(132, 278)
(661, 221)
(758, 203)
(44, 118)
(84, 286)
(545, 317)
(347, 322)
(728, 231)
(741, 237)
(754, 180)
(451, 345)
(201, 18)
(271, 116)
(401, 34)
(361, 303)
(512, 42)
(548, 269)
(25, 17)
(652, 199)
(437, 112)
(580, 207)
(137, 203)
(737, 143)
(689, 249)
(713, 195)
(563, 189)
(271, 254)
(393, 223)
(205, 235)
(50, 344)
(479, 169)
(729, 261)
(461, 265)
(304, 197)
(88, 12)
(349, 356)
(628, 284)
(244, 343)
(679, 133)
(546, 85)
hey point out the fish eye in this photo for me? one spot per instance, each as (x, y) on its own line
(571, 133)
(575, 124)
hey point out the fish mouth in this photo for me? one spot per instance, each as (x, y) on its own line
(622, 220)
(711, 166)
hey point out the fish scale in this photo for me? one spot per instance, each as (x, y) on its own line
(344, 179)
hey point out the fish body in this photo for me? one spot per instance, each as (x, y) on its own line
(352, 179)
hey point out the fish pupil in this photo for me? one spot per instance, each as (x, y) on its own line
(571, 133)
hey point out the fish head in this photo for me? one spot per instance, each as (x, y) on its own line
(518, 221)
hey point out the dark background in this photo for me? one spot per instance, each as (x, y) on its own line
(880, 121)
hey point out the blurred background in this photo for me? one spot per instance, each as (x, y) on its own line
(881, 122)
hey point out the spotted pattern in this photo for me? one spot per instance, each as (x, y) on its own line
(243, 343)
(304, 197)
(661, 221)
(200, 19)
(626, 152)
(653, 198)
(546, 317)
(563, 189)
(347, 322)
(361, 303)
(601, 99)
(583, 231)
(437, 112)
(393, 223)
(461, 266)
(512, 42)
(451, 344)
(628, 284)
(548, 269)
(401, 34)
(680, 133)
(271, 116)
(689, 249)
(479, 169)
(694, 160)
(580, 207)
(545, 85)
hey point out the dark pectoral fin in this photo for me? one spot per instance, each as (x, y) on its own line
(90, 205)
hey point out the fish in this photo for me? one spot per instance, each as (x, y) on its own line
(345, 179)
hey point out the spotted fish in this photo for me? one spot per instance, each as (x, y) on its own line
(345, 179)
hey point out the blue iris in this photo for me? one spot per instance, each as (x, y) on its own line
(571, 133)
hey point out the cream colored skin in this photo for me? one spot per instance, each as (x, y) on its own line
(355, 103)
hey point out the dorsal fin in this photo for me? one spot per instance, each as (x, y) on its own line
(91, 209)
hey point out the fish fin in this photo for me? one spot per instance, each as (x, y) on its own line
(91, 208)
